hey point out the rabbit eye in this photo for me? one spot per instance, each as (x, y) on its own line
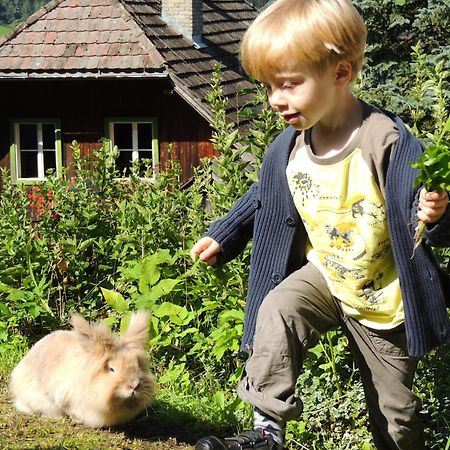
(111, 369)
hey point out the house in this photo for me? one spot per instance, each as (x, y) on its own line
(133, 71)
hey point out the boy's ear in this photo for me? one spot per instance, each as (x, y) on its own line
(344, 72)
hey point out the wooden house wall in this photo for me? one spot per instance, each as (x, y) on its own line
(82, 106)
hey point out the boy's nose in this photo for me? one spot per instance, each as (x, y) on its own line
(276, 99)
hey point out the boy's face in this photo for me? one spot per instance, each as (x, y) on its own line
(303, 98)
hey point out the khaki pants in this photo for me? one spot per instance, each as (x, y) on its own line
(291, 320)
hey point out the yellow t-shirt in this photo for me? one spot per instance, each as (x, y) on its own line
(340, 200)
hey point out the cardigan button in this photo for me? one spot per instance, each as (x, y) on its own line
(290, 221)
(256, 203)
(277, 278)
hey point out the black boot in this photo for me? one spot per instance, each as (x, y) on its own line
(247, 440)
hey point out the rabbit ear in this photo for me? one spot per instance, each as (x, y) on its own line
(137, 330)
(93, 337)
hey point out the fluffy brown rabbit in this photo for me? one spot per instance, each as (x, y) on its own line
(87, 373)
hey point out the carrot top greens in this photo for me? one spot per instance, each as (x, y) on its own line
(434, 172)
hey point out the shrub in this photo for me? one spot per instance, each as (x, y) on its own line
(394, 27)
(104, 246)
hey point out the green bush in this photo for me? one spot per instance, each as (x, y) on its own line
(394, 27)
(104, 245)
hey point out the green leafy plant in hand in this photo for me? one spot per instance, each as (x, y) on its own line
(434, 172)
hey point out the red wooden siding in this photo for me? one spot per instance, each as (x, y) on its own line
(82, 105)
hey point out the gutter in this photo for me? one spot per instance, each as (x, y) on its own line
(80, 75)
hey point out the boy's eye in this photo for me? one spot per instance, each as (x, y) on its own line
(288, 85)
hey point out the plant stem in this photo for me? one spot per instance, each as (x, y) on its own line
(418, 235)
(29, 265)
(333, 365)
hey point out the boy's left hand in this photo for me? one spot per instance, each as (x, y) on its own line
(432, 205)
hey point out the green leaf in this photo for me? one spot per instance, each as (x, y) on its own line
(317, 350)
(115, 300)
(168, 284)
(14, 270)
(167, 309)
(5, 311)
(85, 244)
(18, 294)
(446, 128)
(191, 330)
(219, 399)
(150, 273)
(125, 321)
(111, 320)
(434, 168)
(4, 287)
(133, 272)
(236, 314)
(178, 315)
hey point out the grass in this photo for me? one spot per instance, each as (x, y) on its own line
(150, 431)
(4, 29)
(162, 427)
(169, 424)
(182, 413)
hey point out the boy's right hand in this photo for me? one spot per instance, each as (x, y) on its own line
(206, 249)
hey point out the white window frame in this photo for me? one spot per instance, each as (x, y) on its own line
(135, 121)
(16, 149)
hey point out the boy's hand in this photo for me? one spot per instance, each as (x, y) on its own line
(432, 205)
(207, 249)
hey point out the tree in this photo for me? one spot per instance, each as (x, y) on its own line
(15, 10)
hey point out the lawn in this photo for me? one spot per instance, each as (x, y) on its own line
(175, 421)
(151, 431)
(4, 29)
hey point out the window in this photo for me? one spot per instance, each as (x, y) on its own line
(36, 148)
(136, 140)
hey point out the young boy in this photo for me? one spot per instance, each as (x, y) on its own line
(332, 221)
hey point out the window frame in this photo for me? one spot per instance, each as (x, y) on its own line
(135, 120)
(15, 150)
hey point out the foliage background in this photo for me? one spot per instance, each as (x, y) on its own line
(105, 246)
(15, 10)
(394, 26)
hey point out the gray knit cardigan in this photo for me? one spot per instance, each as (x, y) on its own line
(267, 214)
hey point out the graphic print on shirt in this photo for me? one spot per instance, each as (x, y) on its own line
(304, 183)
(343, 211)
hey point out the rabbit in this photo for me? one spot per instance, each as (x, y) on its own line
(87, 373)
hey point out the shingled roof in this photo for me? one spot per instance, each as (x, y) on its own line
(128, 38)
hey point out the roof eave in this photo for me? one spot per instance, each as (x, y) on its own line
(190, 98)
(101, 74)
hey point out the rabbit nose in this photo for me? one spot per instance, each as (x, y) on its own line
(134, 385)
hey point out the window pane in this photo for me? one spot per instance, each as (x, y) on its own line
(124, 161)
(123, 136)
(28, 165)
(49, 160)
(145, 155)
(28, 136)
(144, 135)
(48, 136)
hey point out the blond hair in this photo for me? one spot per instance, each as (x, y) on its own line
(306, 34)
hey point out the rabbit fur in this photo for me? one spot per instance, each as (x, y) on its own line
(87, 373)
